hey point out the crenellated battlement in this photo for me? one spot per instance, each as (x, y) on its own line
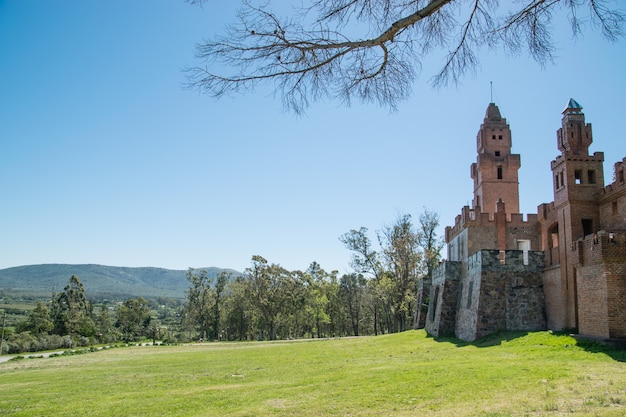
(475, 218)
(618, 186)
(596, 157)
(600, 248)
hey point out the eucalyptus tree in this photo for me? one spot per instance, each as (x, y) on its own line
(134, 320)
(402, 257)
(365, 260)
(275, 295)
(38, 322)
(430, 245)
(352, 290)
(105, 326)
(71, 312)
(316, 283)
(238, 317)
(373, 50)
(429, 242)
(200, 310)
(220, 285)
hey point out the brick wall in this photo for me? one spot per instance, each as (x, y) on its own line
(601, 280)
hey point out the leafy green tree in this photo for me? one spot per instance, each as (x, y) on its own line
(201, 309)
(239, 315)
(106, 331)
(38, 321)
(275, 294)
(133, 319)
(430, 244)
(72, 312)
(352, 289)
(394, 271)
(400, 248)
(220, 285)
(366, 260)
(317, 302)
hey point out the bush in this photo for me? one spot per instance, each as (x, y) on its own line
(27, 342)
(22, 342)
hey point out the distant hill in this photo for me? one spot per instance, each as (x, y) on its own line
(99, 280)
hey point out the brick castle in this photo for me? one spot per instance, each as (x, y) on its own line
(562, 268)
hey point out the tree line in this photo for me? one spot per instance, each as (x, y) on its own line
(269, 302)
(69, 320)
(265, 302)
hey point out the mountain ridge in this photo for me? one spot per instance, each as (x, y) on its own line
(101, 281)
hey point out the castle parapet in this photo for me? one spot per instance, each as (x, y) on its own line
(516, 226)
(600, 248)
(596, 157)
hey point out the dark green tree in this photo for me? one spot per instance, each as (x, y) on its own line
(352, 289)
(400, 248)
(220, 285)
(133, 319)
(316, 284)
(275, 295)
(38, 321)
(71, 312)
(430, 244)
(239, 314)
(106, 331)
(200, 309)
(366, 260)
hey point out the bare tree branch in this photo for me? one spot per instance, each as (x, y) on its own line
(315, 55)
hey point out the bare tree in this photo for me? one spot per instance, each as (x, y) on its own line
(372, 49)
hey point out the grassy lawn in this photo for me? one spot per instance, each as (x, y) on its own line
(407, 374)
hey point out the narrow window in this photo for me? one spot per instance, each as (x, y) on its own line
(578, 176)
(556, 181)
(497, 153)
(499, 172)
(621, 176)
(493, 137)
(587, 227)
(614, 207)
(469, 294)
(591, 176)
(555, 239)
(500, 137)
(562, 182)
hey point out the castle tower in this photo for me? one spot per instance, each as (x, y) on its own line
(578, 176)
(578, 179)
(495, 172)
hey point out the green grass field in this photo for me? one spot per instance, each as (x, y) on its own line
(406, 374)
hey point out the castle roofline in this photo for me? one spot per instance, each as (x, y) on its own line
(572, 107)
(493, 113)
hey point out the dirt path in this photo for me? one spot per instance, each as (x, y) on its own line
(6, 358)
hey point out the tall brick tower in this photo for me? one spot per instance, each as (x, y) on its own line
(495, 172)
(578, 179)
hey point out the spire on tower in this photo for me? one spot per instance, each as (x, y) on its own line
(572, 107)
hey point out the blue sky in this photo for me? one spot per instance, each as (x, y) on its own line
(106, 159)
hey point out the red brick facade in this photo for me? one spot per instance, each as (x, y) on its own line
(581, 236)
